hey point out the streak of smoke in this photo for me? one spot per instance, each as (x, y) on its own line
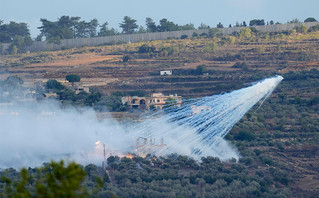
(197, 129)
(33, 134)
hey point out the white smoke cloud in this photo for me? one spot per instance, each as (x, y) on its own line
(37, 133)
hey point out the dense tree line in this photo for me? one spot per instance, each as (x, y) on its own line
(67, 27)
(18, 34)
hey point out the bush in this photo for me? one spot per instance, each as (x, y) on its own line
(145, 48)
(126, 58)
(245, 135)
(73, 78)
(184, 36)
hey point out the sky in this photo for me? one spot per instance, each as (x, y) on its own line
(210, 12)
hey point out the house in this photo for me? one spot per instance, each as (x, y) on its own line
(166, 73)
(157, 100)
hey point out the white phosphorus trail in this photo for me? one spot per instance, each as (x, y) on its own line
(30, 136)
(198, 127)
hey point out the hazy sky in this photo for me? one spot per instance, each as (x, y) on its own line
(179, 11)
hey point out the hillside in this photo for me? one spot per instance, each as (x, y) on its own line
(102, 67)
(278, 142)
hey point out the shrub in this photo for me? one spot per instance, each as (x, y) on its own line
(126, 58)
(184, 36)
(73, 78)
(245, 135)
(145, 48)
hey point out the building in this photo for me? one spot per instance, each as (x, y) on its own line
(156, 100)
(166, 73)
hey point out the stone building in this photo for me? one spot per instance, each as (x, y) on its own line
(156, 100)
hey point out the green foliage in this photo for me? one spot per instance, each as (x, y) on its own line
(245, 33)
(9, 31)
(53, 84)
(19, 44)
(13, 49)
(128, 25)
(105, 31)
(255, 22)
(62, 181)
(146, 48)
(245, 135)
(220, 25)
(53, 180)
(194, 34)
(73, 78)
(150, 24)
(126, 58)
(310, 19)
(166, 26)
(200, 69)
(188, 26)
(301, 29)
(68, 27)
(184, 36)
(295, 20)
(213, 32)
(241, 65)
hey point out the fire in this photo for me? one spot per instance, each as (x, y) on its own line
(130, 156)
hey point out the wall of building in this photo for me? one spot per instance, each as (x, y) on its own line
(95, 41)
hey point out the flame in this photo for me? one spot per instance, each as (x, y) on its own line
(130, 156)
(98, 142)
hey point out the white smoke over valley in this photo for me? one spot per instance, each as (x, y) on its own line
(37, 133)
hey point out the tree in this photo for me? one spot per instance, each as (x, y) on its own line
(188, 26)
(20, 43)
(203, 26)
(166, 26)
(53, 84)
(105, 31)
(73, 78)
(310, 19)
(294, 21)
(92, 25)
(150, 25)
(256, 22)
(220, 25)
(12, 83)
(53, 180)
(11, 30)
(200, 69)
(245, 135)
(245, 33)
(128, 25)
